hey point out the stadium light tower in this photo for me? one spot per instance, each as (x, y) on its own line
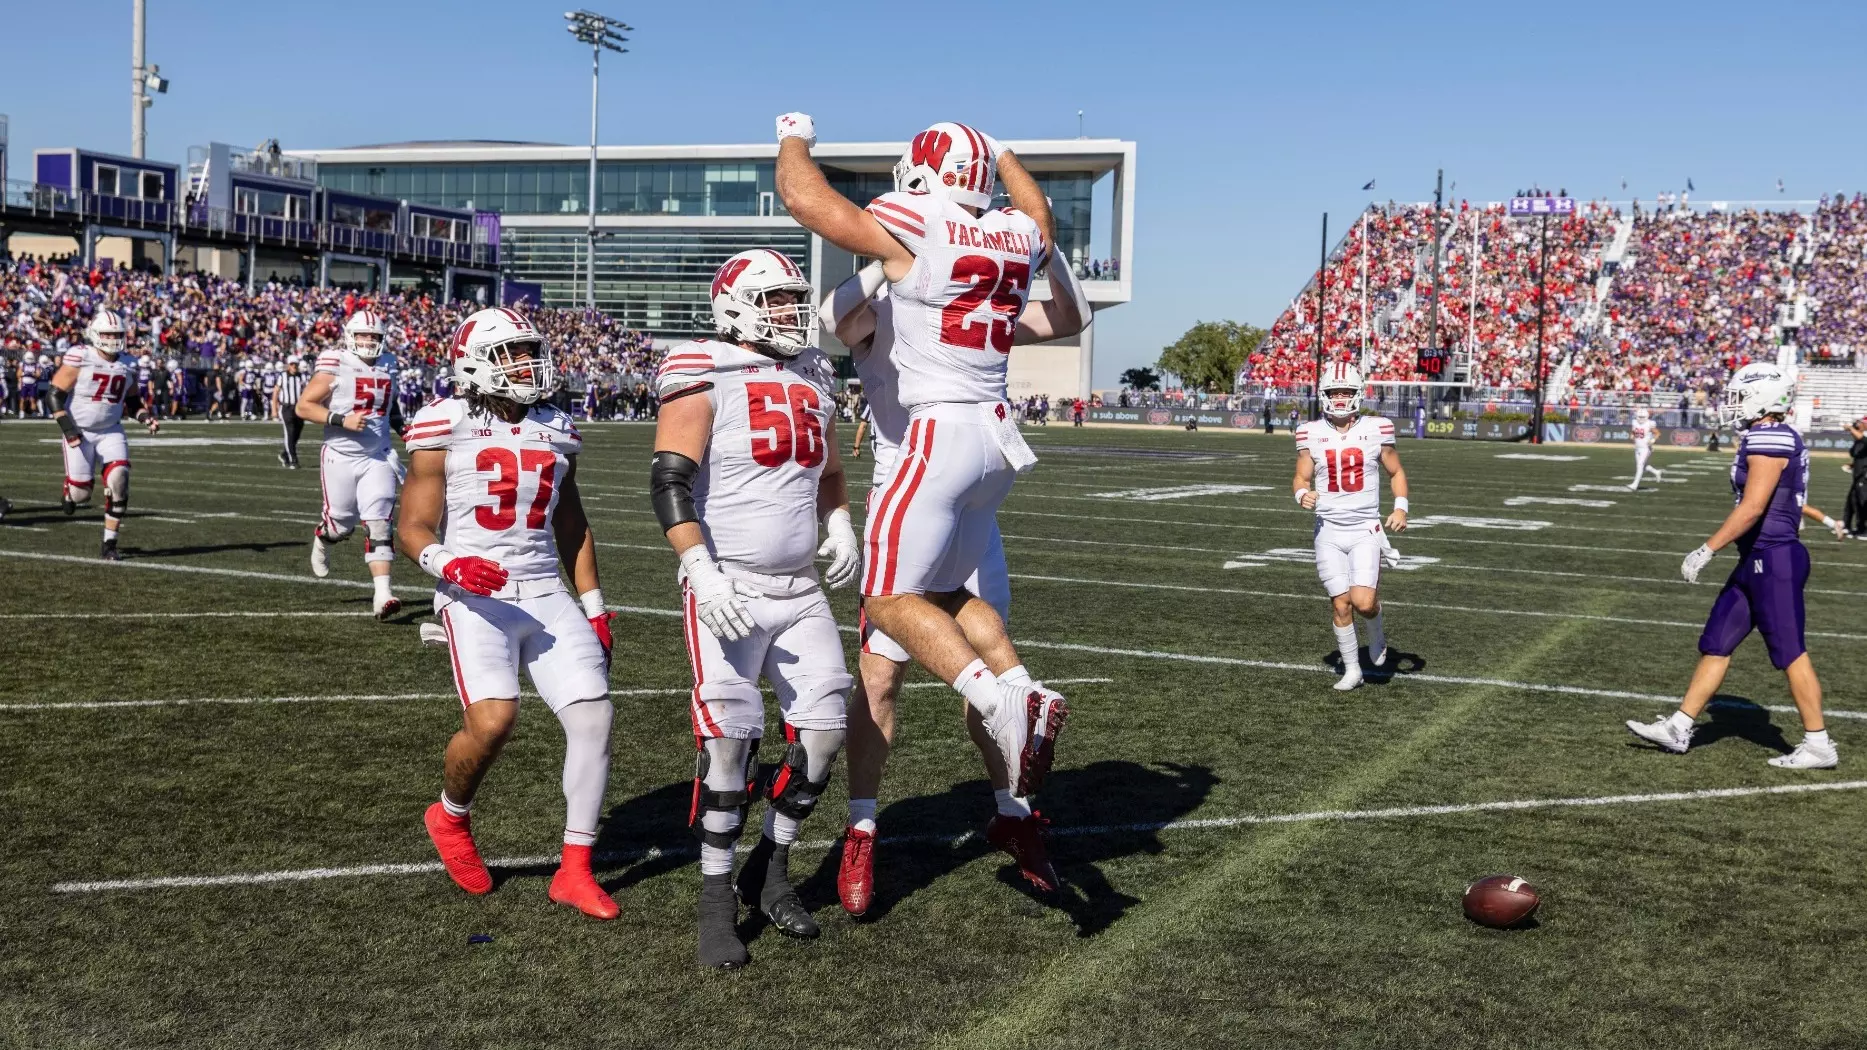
(143, 79)
(601, 33)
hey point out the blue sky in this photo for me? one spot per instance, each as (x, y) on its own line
(1252, 120)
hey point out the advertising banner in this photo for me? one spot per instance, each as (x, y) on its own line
(1166, 417)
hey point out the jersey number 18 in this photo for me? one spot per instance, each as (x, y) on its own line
(1350, 474)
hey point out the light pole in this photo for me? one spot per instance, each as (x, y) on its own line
(600, 33)
(143, 79)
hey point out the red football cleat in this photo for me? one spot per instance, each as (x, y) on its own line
(1023, 838)
(1046, 714)
(453, 839)
(575, 886)
(855, 879)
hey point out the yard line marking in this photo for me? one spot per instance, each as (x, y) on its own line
(1539, 613)
(95, 705)
(261, 878)
(139, 563)
(175, 615)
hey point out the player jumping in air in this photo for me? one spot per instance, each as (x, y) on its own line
(959, 276)
(746, 465)
(350, 393)
(1337, 478)
(1644, 434)
(88, 394)
(498, 466)
(861, 313)
(1769, 478)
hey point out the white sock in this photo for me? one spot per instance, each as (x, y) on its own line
(1818, 738)
(1377, 636)
(109, 534)
(586, 764)
(979, 687)
(454, 809)
(1017, 676)
(382, 586)
(1680, 721)
(1349, 646)
(714, 860)
(862, 814)
(780, 828)
(1010, 805)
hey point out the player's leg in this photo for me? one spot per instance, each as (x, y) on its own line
(484, 655)
(1364, 592)
(337, 486)
(80, 463)
(376, 487)
(881, 665)
(1640, 466)
(565, 661)
(729, 717)
(1335, 569)
(1726, 626)
(1777, 605)
(112, 452)
(805, 666)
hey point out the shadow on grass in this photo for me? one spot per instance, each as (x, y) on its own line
(1397, 663)
(1740, 717)
(211, 548)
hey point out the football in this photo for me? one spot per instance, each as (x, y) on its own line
(1501, 901)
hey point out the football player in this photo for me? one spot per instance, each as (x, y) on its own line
(1350, 544)
(1644, 434)
(861, 314)
(959, 276)
(745, 467)
(490, 510)
(351, 393)
(88, 393)
(1769, 479)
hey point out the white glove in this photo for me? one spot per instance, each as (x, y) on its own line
(797, 126)
(720, 600)
(841, 547)
(1840, 530)
(1696, 561)
(1389, 556)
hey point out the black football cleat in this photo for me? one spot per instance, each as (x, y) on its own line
(6, 507)
(720, 946)
(765, 881)
(109, 552)
(68, 507)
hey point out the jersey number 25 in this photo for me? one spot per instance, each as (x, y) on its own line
(1005, 289)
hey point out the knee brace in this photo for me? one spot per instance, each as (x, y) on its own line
(77, 493)
(376, 541)
(330, 533)
(794, 790)
(724, 775)
(116, 489)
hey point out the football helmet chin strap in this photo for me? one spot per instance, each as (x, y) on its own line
(724, 775)
(376, 541)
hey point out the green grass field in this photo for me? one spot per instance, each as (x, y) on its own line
(1250, 854)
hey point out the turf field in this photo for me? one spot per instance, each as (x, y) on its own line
(213, 768)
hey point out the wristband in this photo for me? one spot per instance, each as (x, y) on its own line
(434, 559)
(1400, 504)
(1300, 494)
(592, 600)
(1828, 522)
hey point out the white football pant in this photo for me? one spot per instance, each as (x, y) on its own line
(794, 645)
(1348, 556)
(541, 629)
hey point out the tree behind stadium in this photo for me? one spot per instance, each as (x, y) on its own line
(1209, 355)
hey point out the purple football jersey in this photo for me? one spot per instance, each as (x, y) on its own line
(1782, 519)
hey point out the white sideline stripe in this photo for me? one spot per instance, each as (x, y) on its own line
(1436, 606)
(140, 563)
(261, 878)
(170, 615)
(92, 705)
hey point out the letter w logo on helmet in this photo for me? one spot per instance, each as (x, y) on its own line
(930, 148)
(728, 274)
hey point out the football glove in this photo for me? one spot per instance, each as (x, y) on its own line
(482, 576)
(719, 601)
(1695, 562)
(841, 547)
(797, 126)
(600, 624)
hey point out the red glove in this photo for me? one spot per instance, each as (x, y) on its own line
(600, 624)
(482, 576)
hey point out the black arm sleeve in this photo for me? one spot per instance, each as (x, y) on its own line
(671, 488)
(56, 396)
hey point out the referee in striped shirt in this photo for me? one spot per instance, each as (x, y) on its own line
(285, 397)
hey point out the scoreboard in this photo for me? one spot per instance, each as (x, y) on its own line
(1432, 361)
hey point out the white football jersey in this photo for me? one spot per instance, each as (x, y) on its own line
(757, 492)
(358, 386)
(1348, 467)
(1645, 433)
(502, 481)
(97, 397)
(956, 312)
(881, 389)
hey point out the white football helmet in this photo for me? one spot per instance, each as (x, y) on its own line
(952, 161)
(1341, 390)
(741, 314)
(1753, 392)
(364, 335)
(107, 332)
(497, 352)
(1642, 414)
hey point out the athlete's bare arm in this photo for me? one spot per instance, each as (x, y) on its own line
(1306, 477)
(1064, 314)
(1025, 195)
(685, 426)
(1765, 472)
(576, 543)
(65, 379)
(424, 499)
(310, 406)
(817, 207)
(833, 485)
(1390, 462)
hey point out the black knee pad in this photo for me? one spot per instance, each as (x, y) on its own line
(791, 790)
(706, 799)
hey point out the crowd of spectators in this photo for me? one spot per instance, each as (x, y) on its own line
(1837, 273)
(187, 327)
